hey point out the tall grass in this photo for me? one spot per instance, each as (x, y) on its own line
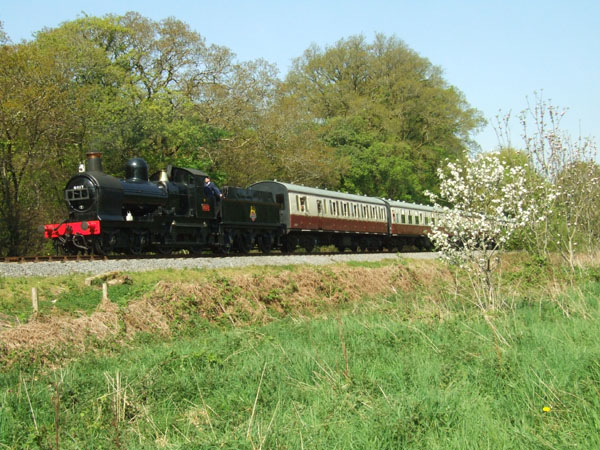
(393, 372)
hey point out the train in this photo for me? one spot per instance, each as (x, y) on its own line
(171, 211)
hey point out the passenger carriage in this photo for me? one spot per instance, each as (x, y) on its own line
(320, 217)
(410, 224)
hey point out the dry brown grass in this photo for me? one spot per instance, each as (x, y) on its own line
(241, 298)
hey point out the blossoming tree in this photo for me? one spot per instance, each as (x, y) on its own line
(480, 206)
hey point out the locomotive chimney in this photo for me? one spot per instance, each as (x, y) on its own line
(94, 162)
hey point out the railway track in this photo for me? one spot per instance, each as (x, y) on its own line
(65, 258)
(43, 266)
(75, 258)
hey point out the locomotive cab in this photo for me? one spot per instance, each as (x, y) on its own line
(191, 200)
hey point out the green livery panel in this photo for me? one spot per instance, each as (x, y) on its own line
(249, 208)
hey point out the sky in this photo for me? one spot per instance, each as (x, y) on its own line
(498, 53)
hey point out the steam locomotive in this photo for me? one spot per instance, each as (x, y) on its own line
(171, 210)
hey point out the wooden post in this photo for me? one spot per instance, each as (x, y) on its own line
(34, 300)
(104, 291)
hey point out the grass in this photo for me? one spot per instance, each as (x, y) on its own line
(398, 371)
(70, 294)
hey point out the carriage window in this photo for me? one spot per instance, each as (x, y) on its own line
(409, 219)
(319, 207)
(416, 220)
(403, 218)
(303, 204)
(325, 206)
(297, 203)
(426, 220)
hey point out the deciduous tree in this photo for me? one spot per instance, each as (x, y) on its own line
(480, 206)
(569, 182)
(386, 110)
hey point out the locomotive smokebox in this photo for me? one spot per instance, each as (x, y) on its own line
(94, 162)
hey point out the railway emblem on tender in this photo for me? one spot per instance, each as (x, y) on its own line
(252, 213)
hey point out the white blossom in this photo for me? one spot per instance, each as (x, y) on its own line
(488, 206)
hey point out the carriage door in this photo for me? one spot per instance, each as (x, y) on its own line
(320, 213)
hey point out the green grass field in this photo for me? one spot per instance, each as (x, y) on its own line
(394, 371)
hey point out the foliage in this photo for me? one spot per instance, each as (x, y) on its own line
(487, 204)
(3, 36)
(571, 180)
(381, 103)
(34, 106)
(564, 182)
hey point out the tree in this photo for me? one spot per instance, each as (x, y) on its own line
(292, 150)
(3, 36)
(568, 182)
(381, 103)
(480, 206)
(34, 103)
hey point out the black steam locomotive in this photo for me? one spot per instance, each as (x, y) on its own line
(165, 212)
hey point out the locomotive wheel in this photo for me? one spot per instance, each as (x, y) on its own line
(225, 249)
(195, 250)
(134, 250)
(137, 242)
(99, 248)
(243, 243)
(105, 244)
(163, 250)
(265, 243)
(221, 249)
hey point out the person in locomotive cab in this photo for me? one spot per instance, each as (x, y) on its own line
(211, 189)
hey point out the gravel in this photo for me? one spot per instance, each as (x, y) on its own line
(52, 269)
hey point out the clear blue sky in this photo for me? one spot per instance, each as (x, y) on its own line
(496, 52)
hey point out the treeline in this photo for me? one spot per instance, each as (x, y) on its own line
(364, 117)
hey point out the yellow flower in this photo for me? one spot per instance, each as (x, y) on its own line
(546, 409)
